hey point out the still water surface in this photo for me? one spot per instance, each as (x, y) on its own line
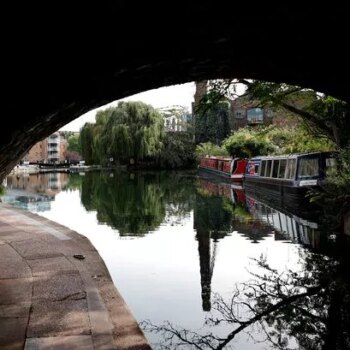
(178, 246)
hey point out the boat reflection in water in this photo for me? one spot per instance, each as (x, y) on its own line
(257, 219)
(286, 226)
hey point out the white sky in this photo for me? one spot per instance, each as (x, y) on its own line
(167, 96)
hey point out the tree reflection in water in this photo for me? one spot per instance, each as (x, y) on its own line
(293, 310)
(137, 204)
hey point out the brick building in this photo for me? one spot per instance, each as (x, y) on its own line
(245, 112)
(50, 150)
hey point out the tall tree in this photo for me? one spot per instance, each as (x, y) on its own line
(212, 122)
(130, 131)
(133, 130)
(73, 143)
(86, 143)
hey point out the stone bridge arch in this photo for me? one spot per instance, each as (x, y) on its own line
(61, 61)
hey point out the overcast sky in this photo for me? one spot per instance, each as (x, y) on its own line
(167, 96)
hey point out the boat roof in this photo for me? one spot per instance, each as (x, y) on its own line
(217, 157)
(292, 155)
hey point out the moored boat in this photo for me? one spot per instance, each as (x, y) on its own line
(231, 169)
(288, 178)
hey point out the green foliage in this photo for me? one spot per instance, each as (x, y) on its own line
(73, 143)
(2, 190)
(299, 139)
(86, 143)
(334, 195)
(132, 130)
(208, 148)
(247, 143)
(212, 123)
(178, 151)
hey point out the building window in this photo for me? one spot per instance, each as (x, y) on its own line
(239, 114)
(255, 115)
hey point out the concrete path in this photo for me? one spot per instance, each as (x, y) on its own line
(50, 299)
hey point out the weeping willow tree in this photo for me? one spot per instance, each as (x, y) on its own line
(86, 143)
(130, 131)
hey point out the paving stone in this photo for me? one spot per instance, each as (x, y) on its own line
(7, 228)
(16, 236)
(13, 291)
(49, 266)
(12, 333)
(35, 249)
(100, 322)
(16, 266)
(78, 342)
(3, 224)
(58, 287)
(62, 318)
(103, 342)
(15, 310)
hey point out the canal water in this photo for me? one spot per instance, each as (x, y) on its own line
(202, 264)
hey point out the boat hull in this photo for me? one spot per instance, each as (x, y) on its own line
(225, 175)
(284, 194)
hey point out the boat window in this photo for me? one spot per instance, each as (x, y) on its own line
(268, 168)
(263, 167)
(331, 165)
(276, 164)
(331, 162)
(308, 167)
(251, 168)
(290, 169)
(282, 170)
(257, 168)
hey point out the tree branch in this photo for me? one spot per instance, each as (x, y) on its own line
(282, 303)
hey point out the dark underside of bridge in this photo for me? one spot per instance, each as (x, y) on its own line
(59, 61)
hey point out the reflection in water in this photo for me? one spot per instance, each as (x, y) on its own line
(211, 224)
(34, 192)
(305, 306)
(308, 309)
(137, 204)
(286, 225)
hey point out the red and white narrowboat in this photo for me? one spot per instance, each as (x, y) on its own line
(231, 169)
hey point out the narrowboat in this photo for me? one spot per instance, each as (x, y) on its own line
(228, 168)
(287, 179)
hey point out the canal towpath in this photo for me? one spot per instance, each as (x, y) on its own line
(55, 290)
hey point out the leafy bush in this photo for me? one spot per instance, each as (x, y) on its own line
(178, 151)
(247, 143)
(210, 149)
